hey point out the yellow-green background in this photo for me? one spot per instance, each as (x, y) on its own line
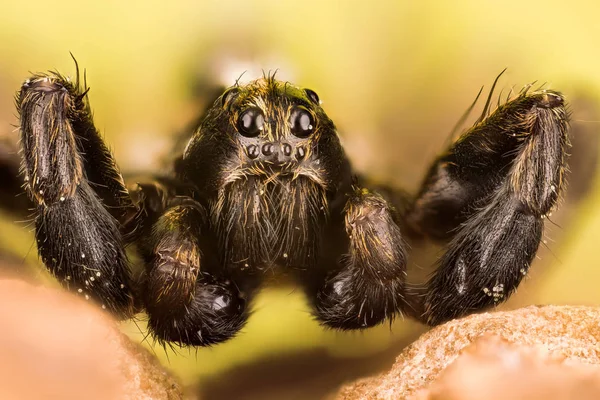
(394, 75)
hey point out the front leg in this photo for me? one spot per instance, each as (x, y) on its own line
(77, 190)
(488, 196)
(191, 300)
(368, 284)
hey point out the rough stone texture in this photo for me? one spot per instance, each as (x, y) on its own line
(56, 346)
(564, 335)
(492, 368)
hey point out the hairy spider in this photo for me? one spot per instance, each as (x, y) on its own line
(264, 184)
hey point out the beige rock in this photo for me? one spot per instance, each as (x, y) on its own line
(529, 349)
(56, 346)
(493, 368)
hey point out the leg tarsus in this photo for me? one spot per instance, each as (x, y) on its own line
(368, 287)
(81, 245)
(187, 303)
(485, 261)
(216, 312)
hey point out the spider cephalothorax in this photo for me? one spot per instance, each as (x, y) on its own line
(264, 184)
(267, 161)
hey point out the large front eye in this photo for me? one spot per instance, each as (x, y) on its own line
(302, 122)
(251, 122)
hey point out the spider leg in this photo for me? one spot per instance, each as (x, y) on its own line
(487, 197)
(368, 284)
(77, 191)
(189, 298)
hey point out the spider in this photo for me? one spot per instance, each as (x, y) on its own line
(264, 185)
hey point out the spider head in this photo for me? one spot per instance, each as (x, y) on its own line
(268, 130)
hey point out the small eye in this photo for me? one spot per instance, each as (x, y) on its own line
(302, 122)
(313, 96)
(250, 122)
(229, 96)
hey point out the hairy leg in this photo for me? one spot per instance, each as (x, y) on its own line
(367, 285)
(486, 197)
(189, 298)
(77, 191)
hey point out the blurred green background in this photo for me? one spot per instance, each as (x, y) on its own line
(394, 75)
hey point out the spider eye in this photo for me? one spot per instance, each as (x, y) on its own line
(313, 96)
(229, 95)
(250, 122)
(302, 122)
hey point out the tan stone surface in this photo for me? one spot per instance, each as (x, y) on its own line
(563, 337)
(56, 346)
(492, 368)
